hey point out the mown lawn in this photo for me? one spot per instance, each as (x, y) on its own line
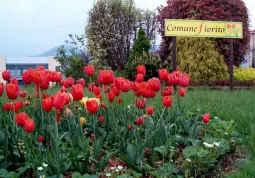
(238, 105)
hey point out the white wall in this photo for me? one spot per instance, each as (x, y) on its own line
(2, 67)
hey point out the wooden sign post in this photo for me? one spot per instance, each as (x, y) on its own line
(201, 28)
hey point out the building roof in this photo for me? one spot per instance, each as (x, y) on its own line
(27, 60)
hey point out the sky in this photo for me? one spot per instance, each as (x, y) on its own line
(31, 27)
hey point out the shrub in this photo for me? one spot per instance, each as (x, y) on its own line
(216, 10)
(244, 74)
(198, 57)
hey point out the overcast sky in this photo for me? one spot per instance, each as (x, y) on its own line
(31, 27)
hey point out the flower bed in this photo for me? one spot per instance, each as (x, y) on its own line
(118, 128)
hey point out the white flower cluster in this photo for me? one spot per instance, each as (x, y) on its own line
(44, 165)
(208, 145)
(188, 160)
(117, 169)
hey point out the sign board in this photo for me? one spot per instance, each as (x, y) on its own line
(202, 28)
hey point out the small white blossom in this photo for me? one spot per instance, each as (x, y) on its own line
(42, 176)
(216, 144)
(120, 167)
(216, 118)
(198, 109)
(40, 168)
(108, 174)
(112, 168)
(226, 133)
(45, 165)
(117, 170)
(188, 160)
(208, 145)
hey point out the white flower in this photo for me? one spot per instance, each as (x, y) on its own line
(188, 160)
(216, 118)
(117, 170)
(198, 109)
(208, 145)
(120, 167)
(42, 176)
(112, 168)
(226, 133)
(40, 168)
(216, 144)
(45, 165)
(108, 174)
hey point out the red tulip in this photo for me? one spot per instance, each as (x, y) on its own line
(1, 88)
(12, 91)
(150, 110)
(139, 121)
(139, 78)
(81, 81)
(92, 136)
(96, 90)
(111, 96)
(125, 85)
(105, 77)
(14, 81)
(99, 96)
(60, 99)
(141, 70)
(116, 90)
(58, 117)
(89, 70)
(167, 92)
(45, 95)
(103, 106)
(70, 81)
(36, 77)
(162, 73)
(63, 89)
(22, 94)
(140, 103)
(47, 104)
(146, 91)
(184, 80)
(101, 119)
(45, 82)
(173, 78)
(58, 77)
(64, 83)
(29, 125)
(119, 100)
(6, 75)
(206, 118)
(77, 92)
(17, 105)
(40, 138)
(154, 84)
(27, 103)
(92, 106)
(20, 118)
(40, 68)
(135, 86)
(26, 77)
(182, 92)
(167, 101)
(7, 106)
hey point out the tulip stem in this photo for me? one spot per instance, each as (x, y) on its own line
(41, 92)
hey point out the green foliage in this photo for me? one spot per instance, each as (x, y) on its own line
(152, 63)
(198, 57)
(244, 74)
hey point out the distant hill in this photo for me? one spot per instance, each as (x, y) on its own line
(53, 51)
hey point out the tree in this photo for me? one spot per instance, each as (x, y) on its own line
(112, 30)
(141, 47)
(198, 57)
(72, 61)
(217, 10)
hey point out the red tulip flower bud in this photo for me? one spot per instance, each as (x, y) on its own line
(206, 118)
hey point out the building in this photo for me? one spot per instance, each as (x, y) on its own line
(251, 58)
(17, 65)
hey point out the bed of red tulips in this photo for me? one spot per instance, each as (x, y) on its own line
(56, 125)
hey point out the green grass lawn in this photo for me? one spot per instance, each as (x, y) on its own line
(238, 105)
